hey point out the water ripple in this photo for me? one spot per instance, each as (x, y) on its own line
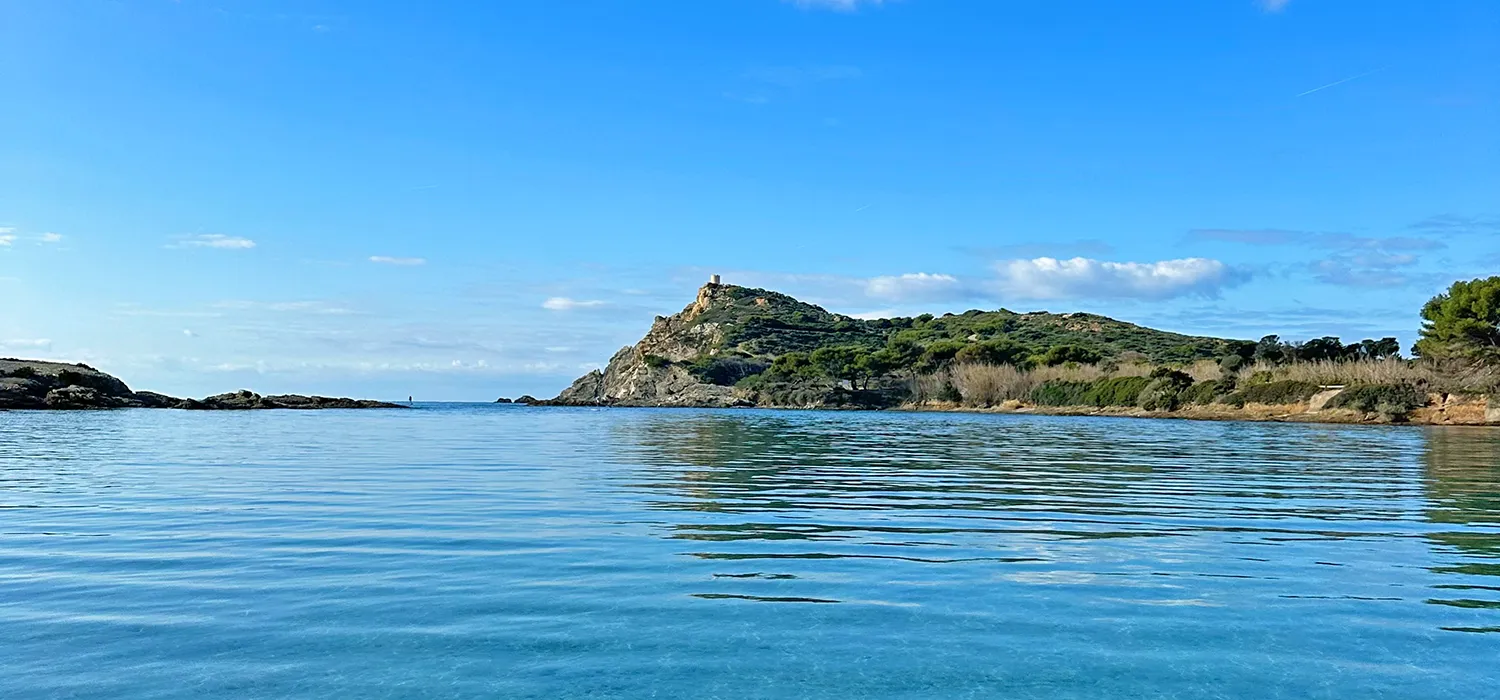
(496, 551)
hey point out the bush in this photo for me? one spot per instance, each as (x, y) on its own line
(939, 355)
(1063, 354)
(993, 352)
(1392, 400)
(656, 361)
(1203, 393)
(1061, 393)
(23, 372)
(1164, 391)
(1231, 363)
(69, 378)
(1120, 391)
(726, 371)
(1273, 393)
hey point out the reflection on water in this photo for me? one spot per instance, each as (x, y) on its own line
(488, 551)
(1463, 483)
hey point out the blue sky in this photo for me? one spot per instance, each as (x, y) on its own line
(461, 200)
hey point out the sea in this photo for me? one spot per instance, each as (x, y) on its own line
(493, 551)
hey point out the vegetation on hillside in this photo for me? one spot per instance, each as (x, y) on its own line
(780, 351)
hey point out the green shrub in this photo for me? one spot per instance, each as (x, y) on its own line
(656, 361)
(1202, 393)
(1164, 390)
(23, 372)
(69, 378)
(993, 352)
(939, 355)
(1262, 377)
(1273, 393)
(1231, 363)
(726, 371)
(1393, 400)
(1063, 354)
(1120, 391)
(1060, 392)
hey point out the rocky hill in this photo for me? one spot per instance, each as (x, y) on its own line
(713, 353)
(32, 384)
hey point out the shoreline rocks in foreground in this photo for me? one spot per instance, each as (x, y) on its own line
(28, 384)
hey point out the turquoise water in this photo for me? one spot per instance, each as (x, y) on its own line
(490, 551)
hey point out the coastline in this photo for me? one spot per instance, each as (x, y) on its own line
(1465, 415)
(1451, 410)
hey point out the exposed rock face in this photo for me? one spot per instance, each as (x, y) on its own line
(503, 400)
(57, 385)
(247, 400)
(60, 386)
(645, 374)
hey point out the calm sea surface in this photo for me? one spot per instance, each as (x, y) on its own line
(504, 552)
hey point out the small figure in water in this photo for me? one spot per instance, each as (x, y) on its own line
(408, 401)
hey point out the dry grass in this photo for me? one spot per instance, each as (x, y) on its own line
(981, 385)
(988, 385)
(1204, 371)
(1345, 373)
(929, 388)
(1075, 373)
(1132, 369)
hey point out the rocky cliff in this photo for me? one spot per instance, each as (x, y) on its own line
(653, 373)
(672, 364)
(31, 384)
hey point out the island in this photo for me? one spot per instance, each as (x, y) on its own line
(34, 384)
(737, 346)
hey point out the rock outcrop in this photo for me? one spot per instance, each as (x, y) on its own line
(28, 384)
(653, 373)
(248, 400)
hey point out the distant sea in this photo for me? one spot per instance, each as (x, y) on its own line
(484, 551)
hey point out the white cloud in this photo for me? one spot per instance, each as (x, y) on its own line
(1273, 5)
(838, 5)
(189, 333)
(875, 315)
(566, 304)
(215, 240)
(51, 237)
(7, 235)
(26, 344)
(918, 286)
(388, 260)
(1085, 278)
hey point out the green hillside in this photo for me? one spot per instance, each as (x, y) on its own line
(766, 324)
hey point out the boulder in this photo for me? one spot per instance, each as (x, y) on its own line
(80, 397)
(503, 400)
(17, 392)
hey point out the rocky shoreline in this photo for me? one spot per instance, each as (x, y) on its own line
(1450, 410)
(30, 384)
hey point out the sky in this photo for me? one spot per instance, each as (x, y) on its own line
(461, 200)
